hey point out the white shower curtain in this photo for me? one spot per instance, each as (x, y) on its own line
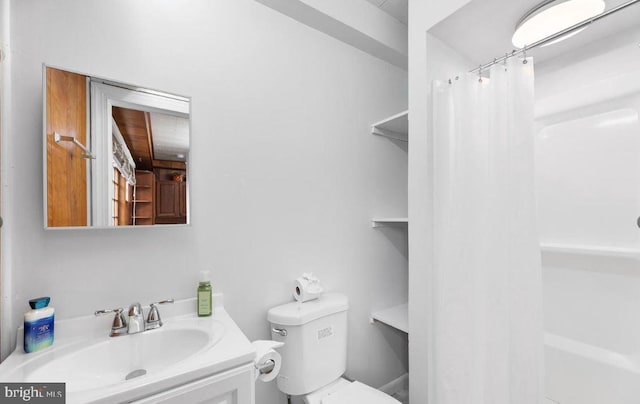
(487, 321)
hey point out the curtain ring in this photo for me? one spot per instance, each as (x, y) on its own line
(480, 74)
(524, 53)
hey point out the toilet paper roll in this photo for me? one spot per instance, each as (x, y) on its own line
(267, 361)
(307, 287)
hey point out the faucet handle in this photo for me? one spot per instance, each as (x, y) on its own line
(162, 302)
(154, 320)
(119, 325)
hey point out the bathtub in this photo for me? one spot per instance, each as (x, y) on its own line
(578, 373)
(592, 324)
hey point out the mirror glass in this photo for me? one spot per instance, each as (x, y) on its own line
(114, 154)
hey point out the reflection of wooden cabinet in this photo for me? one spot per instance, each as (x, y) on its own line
(182, 198)
(167, 199)
(143, 203)
(171, 199)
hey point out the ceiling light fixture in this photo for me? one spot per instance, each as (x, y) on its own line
(554, 16)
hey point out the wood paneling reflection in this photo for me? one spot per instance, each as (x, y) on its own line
(136, 131)
(66, 112)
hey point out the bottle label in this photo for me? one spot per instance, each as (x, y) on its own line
(38, 334)
(204, 303)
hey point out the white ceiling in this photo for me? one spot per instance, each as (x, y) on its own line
(170, 137)
(398, 9)
(482, 30)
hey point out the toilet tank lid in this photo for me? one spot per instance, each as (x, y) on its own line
(296, 313)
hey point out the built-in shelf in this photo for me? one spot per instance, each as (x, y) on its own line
(396, 317)
(596, 250)
(389, 221)
(395, 127)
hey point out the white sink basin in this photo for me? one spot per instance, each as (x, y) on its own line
(118, 359)
(98, 368)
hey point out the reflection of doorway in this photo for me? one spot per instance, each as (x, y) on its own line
(154, 149)
(123, 179)
(154, 129)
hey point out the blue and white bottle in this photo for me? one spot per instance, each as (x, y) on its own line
(38, 325)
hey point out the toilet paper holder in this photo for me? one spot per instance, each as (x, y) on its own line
(266, 367)
(267, 361)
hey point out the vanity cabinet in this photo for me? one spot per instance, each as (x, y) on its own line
(188, 360)
(234, 386)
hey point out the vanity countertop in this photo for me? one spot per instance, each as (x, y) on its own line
(94, 366)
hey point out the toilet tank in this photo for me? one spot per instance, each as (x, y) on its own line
(315, 342)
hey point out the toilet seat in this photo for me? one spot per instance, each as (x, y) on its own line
(357, 392)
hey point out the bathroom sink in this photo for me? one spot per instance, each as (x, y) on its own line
(97, 368)
(114, 360)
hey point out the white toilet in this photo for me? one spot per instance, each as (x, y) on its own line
(314, 355)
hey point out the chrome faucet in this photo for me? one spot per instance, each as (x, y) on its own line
(136, 322)
(136, 319)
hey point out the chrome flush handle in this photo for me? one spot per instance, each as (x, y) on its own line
(280, 331)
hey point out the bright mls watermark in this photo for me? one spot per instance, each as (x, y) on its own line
(33, 393)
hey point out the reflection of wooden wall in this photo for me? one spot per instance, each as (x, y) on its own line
(66, 169)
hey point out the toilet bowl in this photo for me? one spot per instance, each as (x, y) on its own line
(314, 355)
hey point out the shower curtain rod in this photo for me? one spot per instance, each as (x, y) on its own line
(555, 36)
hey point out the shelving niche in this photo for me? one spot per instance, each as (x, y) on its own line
(143, 207)
(395, 127)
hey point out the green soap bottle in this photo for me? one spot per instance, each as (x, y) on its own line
(204, 295)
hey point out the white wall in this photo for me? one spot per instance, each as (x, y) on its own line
(285, 176)
(5, 119)
(425, 63)
(355, 22)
